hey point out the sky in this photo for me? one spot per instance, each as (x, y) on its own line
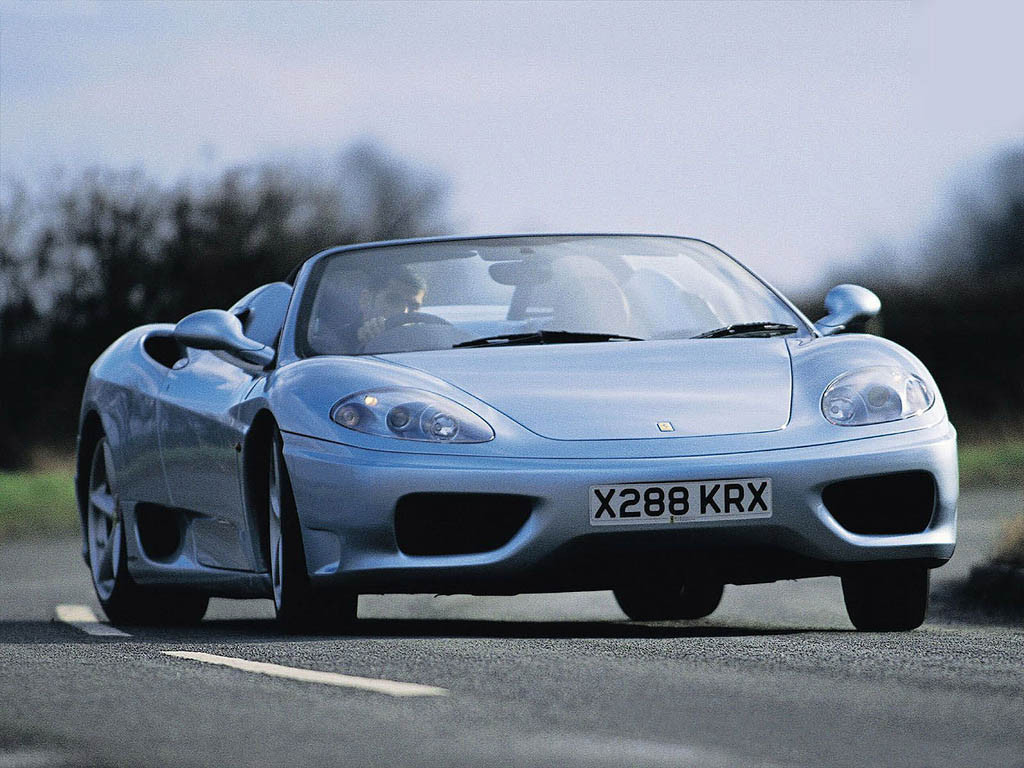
(797, 136)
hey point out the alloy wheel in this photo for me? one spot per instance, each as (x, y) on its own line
(103, 524)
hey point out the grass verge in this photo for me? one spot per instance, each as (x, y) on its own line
(999, 463)
(37, 503)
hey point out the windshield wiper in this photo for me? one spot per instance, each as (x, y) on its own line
(543, 337)
(757, 330)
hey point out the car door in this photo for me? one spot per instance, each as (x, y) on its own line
(200, 439)
(201, 435)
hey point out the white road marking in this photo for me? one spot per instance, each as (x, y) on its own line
(390, 687)
(81, 617)
(31, 758)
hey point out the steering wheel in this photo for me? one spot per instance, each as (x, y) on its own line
(414, 318)
(400, 328)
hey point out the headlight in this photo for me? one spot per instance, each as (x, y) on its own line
(411, 414)
(875, 395)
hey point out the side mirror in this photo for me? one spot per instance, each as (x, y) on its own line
(216, 329)
(847, 304)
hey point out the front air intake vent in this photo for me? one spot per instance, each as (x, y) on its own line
(886, 504)
(458, 523)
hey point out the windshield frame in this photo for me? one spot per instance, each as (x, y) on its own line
(305, 279)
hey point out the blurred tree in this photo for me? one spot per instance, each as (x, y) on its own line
(19, 318)
(990, 227)
(108, 251)
(960, 308)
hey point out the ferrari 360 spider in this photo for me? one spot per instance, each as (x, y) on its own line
(495, 415)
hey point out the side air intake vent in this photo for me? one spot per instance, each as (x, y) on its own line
(458, 523)
(160, 530)
(886, 504)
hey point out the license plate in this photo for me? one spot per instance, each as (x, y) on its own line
(692, 501)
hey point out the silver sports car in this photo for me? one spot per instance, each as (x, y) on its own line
(495, 415)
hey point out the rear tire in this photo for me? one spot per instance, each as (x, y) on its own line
(124, 601)
(692, 599)
(298, 606)
(887, 598)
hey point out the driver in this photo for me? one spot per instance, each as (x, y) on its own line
(390, 293)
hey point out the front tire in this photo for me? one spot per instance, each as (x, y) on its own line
(298, 606)
(124, 601)
(887, 598)
(670, 601)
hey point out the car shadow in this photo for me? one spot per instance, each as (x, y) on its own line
(267, 630)
(250, 631)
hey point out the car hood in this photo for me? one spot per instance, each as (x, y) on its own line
(623, 390)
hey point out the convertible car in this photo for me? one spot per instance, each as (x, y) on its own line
(496, 415)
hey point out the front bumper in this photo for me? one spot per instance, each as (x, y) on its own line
(346, 499)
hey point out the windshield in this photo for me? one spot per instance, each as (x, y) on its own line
(437, 295)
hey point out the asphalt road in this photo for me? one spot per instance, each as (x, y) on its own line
(776, 677)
